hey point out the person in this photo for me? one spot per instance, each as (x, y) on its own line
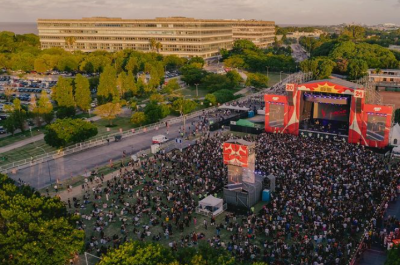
(56, 188)
(205, 224)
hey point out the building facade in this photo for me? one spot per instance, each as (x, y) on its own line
(261, 33)
(184, 37)
(385, 79)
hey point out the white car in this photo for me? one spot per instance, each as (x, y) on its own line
(159, 139)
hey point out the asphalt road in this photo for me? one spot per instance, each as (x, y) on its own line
(38, 176)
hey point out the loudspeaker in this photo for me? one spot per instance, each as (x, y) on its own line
(290, 98)
(358, 105)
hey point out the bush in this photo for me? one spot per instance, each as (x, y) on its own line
(66, 131)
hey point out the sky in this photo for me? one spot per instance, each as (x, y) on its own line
(306, 12)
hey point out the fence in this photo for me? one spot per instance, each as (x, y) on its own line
(277, 88)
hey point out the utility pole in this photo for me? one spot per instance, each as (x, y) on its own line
(197, 91)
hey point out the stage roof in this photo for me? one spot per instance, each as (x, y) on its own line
(337, 81)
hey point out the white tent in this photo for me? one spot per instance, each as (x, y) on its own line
(210, 206)
(395, 135)
(231, 107)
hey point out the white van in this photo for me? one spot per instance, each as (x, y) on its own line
(159, 139)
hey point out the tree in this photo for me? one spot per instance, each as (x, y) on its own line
(191, 74)
(224, 95)
(43, 108)
(138, 118)
(321, 67)
(107, 89)
(109, 111)
(152, 44)
(132, 66)
(130, 84)
(158, 46)
(17, 117)
(357, 69)
(138, 253)
(241, 45)
(62, 93)
(8, 92)
(63, 132)
(257, 80)
(353, 32)
(35, 229)
(83, 96)
(184, 106)
(172, 62)
(215, 82)
(234, 62)
(235, 77)
(393, 257)
(197, 60)
(210, 98)
(70, 41)
(153, 112)
(65, 112)
(156, 98)
(171, 86)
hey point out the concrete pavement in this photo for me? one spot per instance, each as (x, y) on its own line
(39, 176)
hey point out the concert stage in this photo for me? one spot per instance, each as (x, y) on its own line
(332, 108)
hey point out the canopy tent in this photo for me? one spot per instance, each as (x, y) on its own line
(395, 135)
(210, 206)
(231, 107)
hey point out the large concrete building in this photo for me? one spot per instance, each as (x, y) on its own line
(185, 37)
(261, 33)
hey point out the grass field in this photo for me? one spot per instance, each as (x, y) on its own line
(19, 136)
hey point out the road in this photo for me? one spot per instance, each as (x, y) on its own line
(38, 176)
(299, 54)
(21, 143)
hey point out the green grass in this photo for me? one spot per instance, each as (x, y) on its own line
(190, 92)
(25, 152)
(119, 122)
(19, 136)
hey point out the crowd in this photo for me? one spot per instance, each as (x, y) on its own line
(327, 193)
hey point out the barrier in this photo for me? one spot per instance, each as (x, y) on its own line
(24, 163)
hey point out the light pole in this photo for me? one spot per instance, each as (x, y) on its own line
(197, 91)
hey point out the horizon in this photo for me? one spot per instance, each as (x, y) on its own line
(292, 12)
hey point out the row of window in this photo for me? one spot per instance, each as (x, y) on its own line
(134, 25)
(199, 40)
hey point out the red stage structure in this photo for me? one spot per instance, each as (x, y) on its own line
(329, 107)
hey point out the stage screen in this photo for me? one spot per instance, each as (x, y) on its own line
(376, 127)
(331, 112)
(276, 115)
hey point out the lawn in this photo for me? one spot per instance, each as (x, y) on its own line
(19, 136)
(25, 152)
(119, 122)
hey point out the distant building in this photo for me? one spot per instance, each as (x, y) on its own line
(261, 33)
(184, 37)
(298, 34)
(385, 79)
(394, 48)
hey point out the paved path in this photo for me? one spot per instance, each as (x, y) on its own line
(21, 143)
(63, 168)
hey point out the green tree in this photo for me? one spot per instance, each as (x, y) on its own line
(240, 45)
(132, 65)
(257, 80)
(215, 82)
(158, 98)
(109, 111)
(191, 74)
(43, 108)
(235, 77)
(184, 106)
(357, 69)
(210, 98)
(138, 118)
(18, 116)
(234, 62)
(83, 96)
(130, 84)
(321, 67)
(197, 60)
(393, 257)
(62, 93)
(63, 132)
(107, 89)
(172, 62)
(35, 229)
(65, 112)
(353, 32)
(171, 86)
(138, 253)
(153, 112)
(224, 95)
